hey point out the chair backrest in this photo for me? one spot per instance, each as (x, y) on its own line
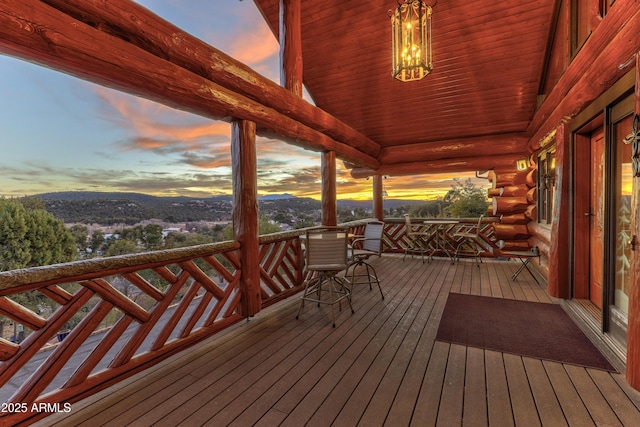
(326, 248)
(407, 223)
(477, 233)
(373, 237)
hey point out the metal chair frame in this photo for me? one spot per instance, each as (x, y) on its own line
(470, 239)
(362, 248)
(326, 256)
(417, 243)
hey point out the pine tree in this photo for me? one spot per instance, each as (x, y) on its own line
(31, 237)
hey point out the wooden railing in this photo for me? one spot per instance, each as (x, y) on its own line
(128, 313)
(396, 240)
(131, 311)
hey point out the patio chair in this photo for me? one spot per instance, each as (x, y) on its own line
(361, 249)
(416, 239)
(326, 256)
(469, 238)
(525, 258)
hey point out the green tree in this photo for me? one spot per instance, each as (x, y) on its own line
(121, 247)
(152, 236)
(466, 200)
(14, 253)
(97, 241)
(80, 234)
(429, 209)
(264, 227)
(31, 237)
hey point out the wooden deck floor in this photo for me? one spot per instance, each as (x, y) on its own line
(379, 366)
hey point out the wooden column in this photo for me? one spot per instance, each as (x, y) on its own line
(559, 272)
(329, 203)
(378, 199)
(245, 212)
(633, 330)
(290, 46)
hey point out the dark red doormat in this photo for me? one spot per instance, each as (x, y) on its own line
(531, 329)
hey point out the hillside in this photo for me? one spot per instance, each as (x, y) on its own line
(131, 208)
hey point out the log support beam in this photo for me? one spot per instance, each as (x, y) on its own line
(378, 197)
(494, 145)
(177, 71)
(291, 46)
(329, 191)
(440, 166)
(245, 212)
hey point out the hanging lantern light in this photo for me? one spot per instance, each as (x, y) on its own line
(411, 39)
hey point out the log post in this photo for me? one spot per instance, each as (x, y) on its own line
(509, 205)
(514, 190)
(245, 213)
(378, 197)
(291, 46)
(518, 218)
(559, 272)
(495, 192)
(633, 328)
(329, 204)
(511, 231)
(503, 178)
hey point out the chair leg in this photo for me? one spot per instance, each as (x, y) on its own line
(473, 247)
(337, 292)
(369, 276)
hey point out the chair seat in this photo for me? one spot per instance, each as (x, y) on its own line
(325, 257)
(362, 253)
(327, 267)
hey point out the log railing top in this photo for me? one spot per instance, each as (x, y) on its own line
(98, 267)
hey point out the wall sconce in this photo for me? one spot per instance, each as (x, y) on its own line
(411, 40)
(547, 181)
(522, 164)
(634, 139)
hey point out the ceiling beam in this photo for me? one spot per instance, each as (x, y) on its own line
(137, 25)
(467, 164)
(515, 143)
(38, 33)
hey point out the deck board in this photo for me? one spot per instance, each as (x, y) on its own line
(379, 366)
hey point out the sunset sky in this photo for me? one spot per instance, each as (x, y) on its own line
(60, 133)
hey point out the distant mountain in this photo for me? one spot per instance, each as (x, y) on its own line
(135, 197)
(277, 197)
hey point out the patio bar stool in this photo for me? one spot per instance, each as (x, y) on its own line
(326, 256)
(417, 242)
(361, 249)
(469, 238)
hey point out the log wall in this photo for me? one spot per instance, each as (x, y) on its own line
(511, 204)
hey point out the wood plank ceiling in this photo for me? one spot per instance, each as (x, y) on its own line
(488, 64)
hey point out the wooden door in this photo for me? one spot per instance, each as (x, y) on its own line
(596, 213)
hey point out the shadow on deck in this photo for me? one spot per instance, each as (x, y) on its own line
(379, 366)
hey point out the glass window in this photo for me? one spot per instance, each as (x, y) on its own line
(580, 27)
(622, 191)
(546, 184)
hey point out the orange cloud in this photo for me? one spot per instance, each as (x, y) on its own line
(255, 46)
